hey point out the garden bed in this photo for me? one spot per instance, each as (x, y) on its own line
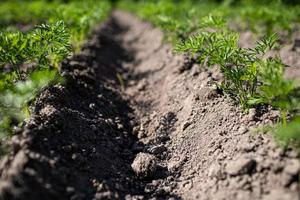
(132, 123)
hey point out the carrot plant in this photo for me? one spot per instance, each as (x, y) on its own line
(15, 99)
(43, 47)
(80, 17)
(29, 60)
(240, 66)
(250, 76)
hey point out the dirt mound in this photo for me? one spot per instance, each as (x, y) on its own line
(132, 123)
(204, 141)
(77, 144)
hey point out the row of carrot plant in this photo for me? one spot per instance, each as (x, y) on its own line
(35, 36)
(209, 32)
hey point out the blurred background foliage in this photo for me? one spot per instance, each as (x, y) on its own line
(35, 36)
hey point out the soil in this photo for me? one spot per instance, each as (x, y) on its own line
(131, 122)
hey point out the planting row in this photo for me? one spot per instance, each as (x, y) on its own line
(35, 37)
(208, 33)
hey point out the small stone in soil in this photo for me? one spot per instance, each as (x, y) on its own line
(240, 166)
(215, 171)
(292, 167)
(251, 114)
(242, 130)
(144, 165)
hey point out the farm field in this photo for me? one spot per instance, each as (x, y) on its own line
(149, 100)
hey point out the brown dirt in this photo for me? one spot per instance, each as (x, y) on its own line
(166, 133)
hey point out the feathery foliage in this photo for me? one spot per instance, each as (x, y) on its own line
(29, 59)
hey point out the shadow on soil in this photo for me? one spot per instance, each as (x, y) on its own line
(78, 142)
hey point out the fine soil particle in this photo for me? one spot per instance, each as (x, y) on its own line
(129, 123)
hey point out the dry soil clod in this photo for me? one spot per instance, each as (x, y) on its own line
(144, 165)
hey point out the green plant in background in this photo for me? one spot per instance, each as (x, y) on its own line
(79, 16)
(17, 13)
(14, 100)
(29, 60)
(289, 134)
(262, 17)
(177, 20)
(43, 48)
